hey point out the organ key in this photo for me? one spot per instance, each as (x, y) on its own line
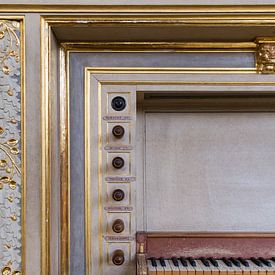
(210, 266)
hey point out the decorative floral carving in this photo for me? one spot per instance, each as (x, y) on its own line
(10, 148)
(266, 57)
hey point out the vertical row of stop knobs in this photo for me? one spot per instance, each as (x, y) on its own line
(118, 131)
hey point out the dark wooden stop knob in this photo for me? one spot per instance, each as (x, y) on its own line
(118, 226)
(118, 162)
(118, 257)
(118, 195)
(118, 131)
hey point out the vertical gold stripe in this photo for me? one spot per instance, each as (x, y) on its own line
(45, 141)
(100, 237)
(87, 174)
(65, 164)
(23, 146)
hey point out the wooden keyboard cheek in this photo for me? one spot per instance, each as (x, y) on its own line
(216, 272)
(168, 272)
(191, 272)
(185, 272)
(254, 273)
(198, 272)
(152, 272)
(207, 272)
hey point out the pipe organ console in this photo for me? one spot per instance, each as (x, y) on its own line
(167, 137)
(181, 188)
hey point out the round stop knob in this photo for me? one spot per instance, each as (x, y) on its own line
(118, 131)
(118, 257)
(118, 226)
(118, 162)
(118, 195)
(118, 103)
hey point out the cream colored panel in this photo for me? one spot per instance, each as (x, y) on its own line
(210, 172)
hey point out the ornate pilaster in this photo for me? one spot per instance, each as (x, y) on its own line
(265, 56)
(11, 145)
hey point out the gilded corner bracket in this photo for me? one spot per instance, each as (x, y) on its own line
(11, 147)
(265, 55)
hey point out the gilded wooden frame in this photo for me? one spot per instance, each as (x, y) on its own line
(145, 15)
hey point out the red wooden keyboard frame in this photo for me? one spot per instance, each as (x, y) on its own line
(169, 244)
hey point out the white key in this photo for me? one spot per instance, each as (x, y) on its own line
(224, 269)
(245, 269)
(198, 268)
(237, 270)
(168, 268)
(159, 268)
(183, 269)
(175, 270)
(214, 269)
(206, 269)
(151, 269)
(271, 269)
(190, 269)
(255, 268)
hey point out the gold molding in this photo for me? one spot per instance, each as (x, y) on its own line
(59, 8)
(161, 46)
(46, 148)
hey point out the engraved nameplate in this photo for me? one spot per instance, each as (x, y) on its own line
(118, 208)
(112, 118)
(120, 179)
(119, 238)
(119, 148)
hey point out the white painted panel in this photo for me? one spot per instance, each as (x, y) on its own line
(210, 171)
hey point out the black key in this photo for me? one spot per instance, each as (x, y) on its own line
(235, 262)
(273, 259)
(175, 261)
(213, 262)
(183, 261)
(153, 261)
(162, 261)
(227, 262)
(265, 261)
(256, 261)
(204, 261)
(243, 262)
(192, 261)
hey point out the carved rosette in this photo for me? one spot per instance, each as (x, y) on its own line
(10, 148)
(266, 56)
